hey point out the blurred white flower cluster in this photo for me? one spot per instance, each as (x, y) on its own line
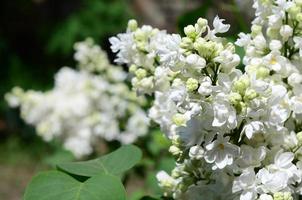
(235, 135)
(86, 104)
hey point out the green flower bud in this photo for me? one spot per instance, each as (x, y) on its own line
(141, 45)
(192, 84)
(294, 11)
(154, 31)
(175, 173)
(299, 137)
(235, 98)
(190, 31)
(201, 25)
(139, 35)
(262, 72)
(186, 43)
(241, 85)
(250, 94)
(174, 150)
(265, 2)
(147, 82)
(283, 196)
(132, 25)
(242, 107)
(132, 68)
(272, 33)
(256, 29)
(202, 22)
(141, 73)
(298, 2)
(176, 141)
(179, 119)
(231, 47)
(299, 17)
(207, 49)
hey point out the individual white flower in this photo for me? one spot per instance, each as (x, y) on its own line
(224, 114)
(253, 127)
(221, 152)
(298, 44)
(243, 40)
(251, 157)
(246, 183)
(228, 60)
(283, 162)
(205, 87)
(272, 181)
(196, 61)
(219, 27)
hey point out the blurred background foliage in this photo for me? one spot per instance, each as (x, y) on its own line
(36, 39)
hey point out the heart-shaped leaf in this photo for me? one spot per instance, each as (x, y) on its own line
(114, 163)
(59, 186)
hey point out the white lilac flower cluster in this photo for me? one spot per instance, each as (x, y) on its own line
(83, 105)
(235, 135)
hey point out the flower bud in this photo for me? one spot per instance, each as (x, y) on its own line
(202, 22)
(256, 29)
(141, 73)
(235, 98)
(275, 45)
(196, 152)
(272, 33)
(262, 72)
(174, 150)
(299, 137)
(201, 25)
(196, 61)
(179, 119)
(299, 17)
(192, 84)
(186, 43)
(132, 25)
(265, 197)
(294, 11)
(298, 2)
(250, 94)
(132, 68)
(241, 85)
(176, 141)
(286, 31)
(283, 196)
(190, 31)
(139, 35)
(147, 82)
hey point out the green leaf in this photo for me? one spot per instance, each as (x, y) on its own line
(114, 163)
(149, 198)
(59, 186)
(152, 183)
(59, 156)
(166, 164)
(157, 142)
